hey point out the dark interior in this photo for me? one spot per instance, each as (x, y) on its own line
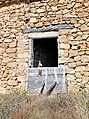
(35, 0)
(45, 50)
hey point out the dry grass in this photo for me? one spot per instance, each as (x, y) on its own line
(61, 106)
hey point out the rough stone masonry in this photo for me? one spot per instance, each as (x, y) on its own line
(73, 50)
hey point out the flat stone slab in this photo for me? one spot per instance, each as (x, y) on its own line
(50, 75)
(48, 28)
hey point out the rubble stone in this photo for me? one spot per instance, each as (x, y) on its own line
(12, 83)
(73, 44)
(64, 46)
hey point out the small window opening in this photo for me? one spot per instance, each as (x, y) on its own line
(31, 1)
(35, 0)
(46, 50)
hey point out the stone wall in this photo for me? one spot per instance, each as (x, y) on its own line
(73, 44)
(74, 54)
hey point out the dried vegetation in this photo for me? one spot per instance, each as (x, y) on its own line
(61, 106)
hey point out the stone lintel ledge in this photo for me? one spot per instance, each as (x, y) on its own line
(56, 27)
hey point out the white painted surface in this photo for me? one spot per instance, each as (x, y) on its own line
(35, 81)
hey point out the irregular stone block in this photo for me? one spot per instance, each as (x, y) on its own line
(85, 80)
(33, 20)
(77, 58)
(14, 31)
(78, 75)
(40, 10)
(81, 68)
(65, 60)
(12, 64)
(70, 70)
(7, 40)
(62, 53)
(63, 39)
(84, 27)
(21, 79)
(11, 50)
(39, 24)
(12, 83)
(64, 46)
(72, 65)
(12, 44)
(2, 50)
(70, 77)
(73, 53)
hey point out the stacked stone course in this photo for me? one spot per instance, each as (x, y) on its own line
(73, 49)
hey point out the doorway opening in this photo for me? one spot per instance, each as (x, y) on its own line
(46, 50)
